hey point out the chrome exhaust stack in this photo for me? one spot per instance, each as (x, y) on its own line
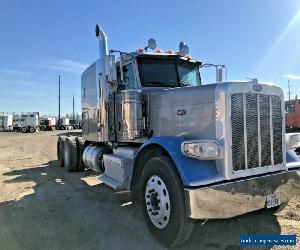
(102, 76)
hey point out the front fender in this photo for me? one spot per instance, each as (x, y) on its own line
(192, 171)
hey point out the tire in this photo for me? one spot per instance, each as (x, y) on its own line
(163, 203)
(32, 129)
(43, 128)
(61, 150)
(24, 129)
(80, 149)
(70, 154)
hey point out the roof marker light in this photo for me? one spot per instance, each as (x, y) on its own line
(140, 50)
(158, 50)
(169, 51)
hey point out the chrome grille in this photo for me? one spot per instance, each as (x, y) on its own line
(256, 122)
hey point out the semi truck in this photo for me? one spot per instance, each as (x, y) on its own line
(292, 115)
(27, 122)
(64, 124)
(185, 150)
(47, 123)
(76, 124)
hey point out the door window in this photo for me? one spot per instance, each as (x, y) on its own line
(128, 77)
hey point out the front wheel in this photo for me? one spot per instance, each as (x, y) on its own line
(163, 203)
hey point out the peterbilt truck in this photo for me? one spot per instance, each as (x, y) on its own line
(185, 150)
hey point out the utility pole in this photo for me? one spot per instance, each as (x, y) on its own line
(289, 87)
(73, 107)
(58, 100)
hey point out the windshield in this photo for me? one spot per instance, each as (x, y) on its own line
(168, 73)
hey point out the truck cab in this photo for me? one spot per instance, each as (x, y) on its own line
(185, 150)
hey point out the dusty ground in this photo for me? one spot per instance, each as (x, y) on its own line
(42, 207)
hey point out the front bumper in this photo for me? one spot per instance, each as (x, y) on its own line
(239, 197)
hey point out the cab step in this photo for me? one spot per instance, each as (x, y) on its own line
(118, 168)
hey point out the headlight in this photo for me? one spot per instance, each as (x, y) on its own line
(202, 149)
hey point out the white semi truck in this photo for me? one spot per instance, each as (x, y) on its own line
(27, 122)
(185, 150)
(64, 124)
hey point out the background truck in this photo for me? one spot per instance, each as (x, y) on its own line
(47, 123)
(185, 150)
(64, 124)
(6, 122)
(76, 124)
(292, 115)
(27, 122)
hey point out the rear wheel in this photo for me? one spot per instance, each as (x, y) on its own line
(70, 154)
(32, 129)
(80, 149)
(60, 150)
(24, 130)
(163, 203)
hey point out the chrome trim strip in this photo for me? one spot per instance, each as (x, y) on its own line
(245, 130)
(258, 131)
(271, 131)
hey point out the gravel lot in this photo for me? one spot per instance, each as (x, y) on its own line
(43, 207)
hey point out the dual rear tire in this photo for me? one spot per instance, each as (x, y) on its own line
(69, 153)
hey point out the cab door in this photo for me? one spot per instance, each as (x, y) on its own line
(129, 82)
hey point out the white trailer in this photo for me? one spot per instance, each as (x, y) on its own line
(6, 123)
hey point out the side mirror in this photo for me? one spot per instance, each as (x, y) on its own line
(112, 73)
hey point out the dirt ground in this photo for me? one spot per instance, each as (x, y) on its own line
(43, 207)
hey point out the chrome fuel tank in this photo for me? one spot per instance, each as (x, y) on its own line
(92, 158)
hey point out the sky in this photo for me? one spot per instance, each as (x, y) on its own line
(40, 40)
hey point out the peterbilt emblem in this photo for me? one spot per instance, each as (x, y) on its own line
(257, 87)
(181, 112)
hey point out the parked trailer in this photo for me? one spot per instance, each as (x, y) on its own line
(6, 123)
(185, 150)
(27, 122)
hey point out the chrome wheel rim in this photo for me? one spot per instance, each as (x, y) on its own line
(157, 201)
